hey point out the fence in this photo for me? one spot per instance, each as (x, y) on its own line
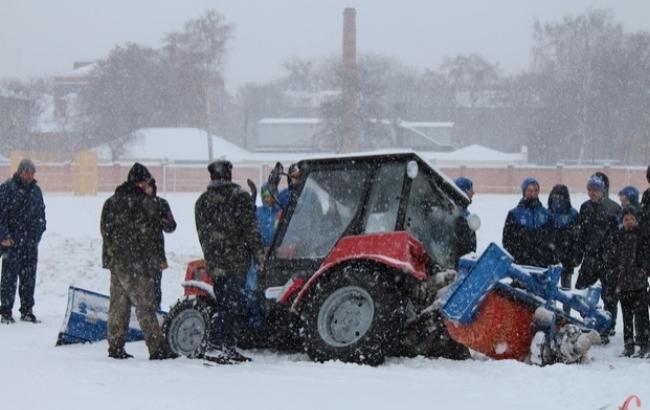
(86, 176)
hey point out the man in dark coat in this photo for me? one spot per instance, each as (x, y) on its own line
(625, 261)
(564, 222)
(597, 222)
(130, 228)
(230, 237)
(527, 233)
(22, 223)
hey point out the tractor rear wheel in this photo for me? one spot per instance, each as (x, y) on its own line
(354, 316)
(186, 326)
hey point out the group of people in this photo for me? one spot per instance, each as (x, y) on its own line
(234, 238)
(610, 243)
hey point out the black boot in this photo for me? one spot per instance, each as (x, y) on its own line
(118, 353)
(29, 317)
(6, 318)
(628, 351)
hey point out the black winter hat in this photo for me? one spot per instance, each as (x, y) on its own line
(647, 174)
(220, 170)
(139, 173)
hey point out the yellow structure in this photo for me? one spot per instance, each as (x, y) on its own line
(86, 173)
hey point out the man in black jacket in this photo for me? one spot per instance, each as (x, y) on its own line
(596, 223)
(130, 227)
(230, 238)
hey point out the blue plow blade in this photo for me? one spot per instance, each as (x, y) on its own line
(86, 319)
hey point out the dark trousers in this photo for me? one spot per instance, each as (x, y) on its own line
(610, 298)
(608, 295)
(230, 305)
(18, 270)
(157, 289)
(565, 284)
(635, 317)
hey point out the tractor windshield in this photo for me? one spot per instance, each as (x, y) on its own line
(430, 219)
(326, 206)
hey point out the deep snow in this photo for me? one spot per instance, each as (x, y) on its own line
(37, 375)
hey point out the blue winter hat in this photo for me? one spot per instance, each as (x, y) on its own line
(465, 184)
(596, 184)
(528, 181)
(631, 193)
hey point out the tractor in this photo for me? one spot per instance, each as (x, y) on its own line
(359, 256)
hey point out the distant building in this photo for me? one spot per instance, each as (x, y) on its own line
(68, 85)
(302, 134)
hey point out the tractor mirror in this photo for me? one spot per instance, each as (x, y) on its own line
(412, 169)
(474, 222)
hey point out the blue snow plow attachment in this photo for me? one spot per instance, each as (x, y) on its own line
(86, 319)
(509, 311)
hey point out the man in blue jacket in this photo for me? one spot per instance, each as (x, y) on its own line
(527, 233)
(22, 223)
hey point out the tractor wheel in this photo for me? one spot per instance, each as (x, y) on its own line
(354, 316)
(186, 326)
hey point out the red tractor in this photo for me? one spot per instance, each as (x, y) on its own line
(358, 259)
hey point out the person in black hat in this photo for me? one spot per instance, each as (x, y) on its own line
(230, 238)
(130, 228)
(22, 223)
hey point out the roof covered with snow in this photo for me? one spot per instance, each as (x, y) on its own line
(191, 145)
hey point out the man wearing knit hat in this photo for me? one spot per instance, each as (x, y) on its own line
(22, 223)
(130, 228)
(597, 224)
(527, 233)
(230, 238)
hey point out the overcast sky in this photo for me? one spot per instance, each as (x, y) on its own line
(44, 37)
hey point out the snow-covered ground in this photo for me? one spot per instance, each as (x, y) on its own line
(37, 375)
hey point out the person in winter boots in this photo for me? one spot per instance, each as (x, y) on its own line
(527, 233)
(465, 236)
(629, 196)
(130, 228)
(626, 264)
(230, 237)
(22, 223)
(564, 223)
(167, 225)
(596, 223)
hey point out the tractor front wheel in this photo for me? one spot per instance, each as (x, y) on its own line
(186, 326)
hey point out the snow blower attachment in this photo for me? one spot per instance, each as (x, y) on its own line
(507, 311)
(86, 319)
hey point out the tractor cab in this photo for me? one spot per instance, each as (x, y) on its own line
(361, 196)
